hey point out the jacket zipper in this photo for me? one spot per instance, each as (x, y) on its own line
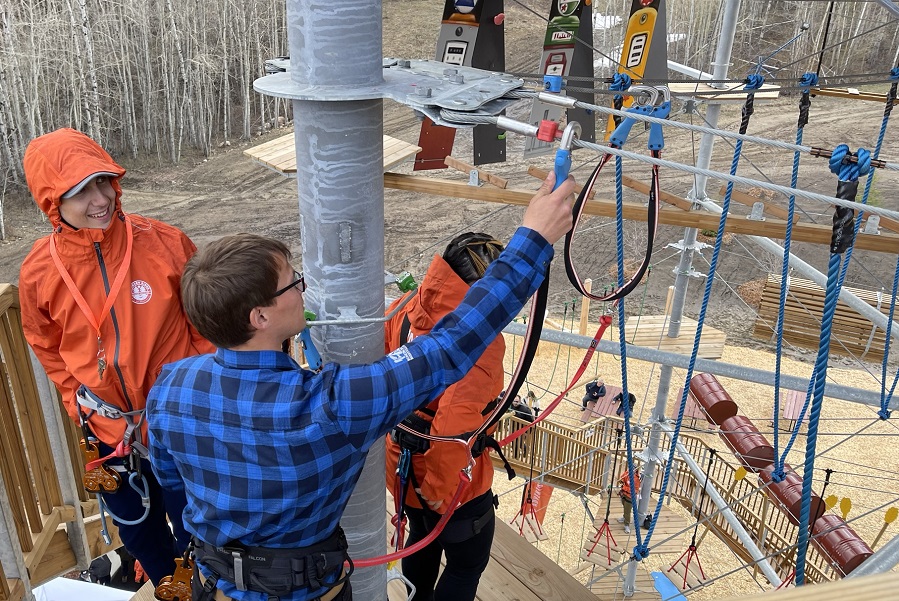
(115, 326)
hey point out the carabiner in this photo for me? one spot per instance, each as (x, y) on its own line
(661, 110)
(562, 164)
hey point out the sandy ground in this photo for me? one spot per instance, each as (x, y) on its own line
(852, 441)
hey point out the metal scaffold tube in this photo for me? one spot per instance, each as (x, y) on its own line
(742, 534)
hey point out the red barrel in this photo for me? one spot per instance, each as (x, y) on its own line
(789, 494)
(713, 398)
(748, 444)
(839, 543)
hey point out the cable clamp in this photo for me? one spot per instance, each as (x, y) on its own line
(552, 83)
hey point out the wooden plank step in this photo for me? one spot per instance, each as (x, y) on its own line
(524, 531)
(611, 587)
(693, 578)
(536, 528)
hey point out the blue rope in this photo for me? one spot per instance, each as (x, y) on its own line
(806, 81)
(819, 377)
(885, 399)
(622, 343)
(756, 81)
(848, 172)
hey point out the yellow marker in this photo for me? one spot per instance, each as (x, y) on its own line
(391, 565)
(740, 473)
(830, 502)
(846, 506)
(888, 518)
(635, 51)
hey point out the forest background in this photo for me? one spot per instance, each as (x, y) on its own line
(151, 77)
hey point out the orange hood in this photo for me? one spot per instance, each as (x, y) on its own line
(442, 293)
(56, 162)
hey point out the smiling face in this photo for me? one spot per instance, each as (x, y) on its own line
(92, 206)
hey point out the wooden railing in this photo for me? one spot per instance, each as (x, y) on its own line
(42, 528)
(579, 459)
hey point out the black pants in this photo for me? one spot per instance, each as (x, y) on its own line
(467, 552)
(151, 541)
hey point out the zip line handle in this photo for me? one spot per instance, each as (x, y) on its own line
(562, 165)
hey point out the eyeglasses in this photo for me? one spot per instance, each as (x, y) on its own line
(298, 280)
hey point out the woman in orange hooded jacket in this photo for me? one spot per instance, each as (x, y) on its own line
(101, 308)
(434, 474)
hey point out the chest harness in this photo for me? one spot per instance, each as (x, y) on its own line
(413, 436)
(100, 478)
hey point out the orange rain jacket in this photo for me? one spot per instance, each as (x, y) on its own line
(147, 326)
(458, 409)
(625, 482)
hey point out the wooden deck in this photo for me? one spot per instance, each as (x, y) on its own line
(517, 572)
(651, 331)
(602, 407)
(280, 154)
(853, 335)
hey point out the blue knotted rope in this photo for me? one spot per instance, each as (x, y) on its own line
(806, 81)
(848, 173)
(757, 80)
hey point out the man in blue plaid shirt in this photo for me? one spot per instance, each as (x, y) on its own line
(268, 453)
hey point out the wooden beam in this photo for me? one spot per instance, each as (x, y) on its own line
(499, 182)
(542, 173)
(771, 228)
(671, 199)
(866, 588)
(855, 94)
(58, 515)
(749, 200)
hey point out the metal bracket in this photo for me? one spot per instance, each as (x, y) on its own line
(691, 106)
(697, 245)
(473, 178)
(872, 225)
(758, 208)
(425, 86)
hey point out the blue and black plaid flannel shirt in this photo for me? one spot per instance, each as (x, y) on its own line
(268, 453)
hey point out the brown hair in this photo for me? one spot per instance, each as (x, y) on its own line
(226, 280)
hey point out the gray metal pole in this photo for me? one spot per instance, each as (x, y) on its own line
(883, 560)
(685, 266)
(726, 512)
(339, 150)
(719, 368)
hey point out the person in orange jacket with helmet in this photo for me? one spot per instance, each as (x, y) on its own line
(101, 308)
(433, 476)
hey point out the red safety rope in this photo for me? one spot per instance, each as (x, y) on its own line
(604, 323)
(464, 481)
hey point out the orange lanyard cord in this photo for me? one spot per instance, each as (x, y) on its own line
(113, 291)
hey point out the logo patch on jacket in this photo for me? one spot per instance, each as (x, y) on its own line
(140, 292)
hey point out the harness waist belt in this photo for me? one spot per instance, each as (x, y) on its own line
(92, 402)
(276, 572)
